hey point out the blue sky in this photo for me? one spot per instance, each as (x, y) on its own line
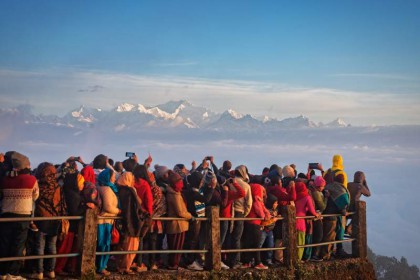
(352, 48)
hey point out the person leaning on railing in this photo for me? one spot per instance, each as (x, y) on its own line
(338, 202)
(176, 229)
(18, 191)
(49, 204)
(110, 208)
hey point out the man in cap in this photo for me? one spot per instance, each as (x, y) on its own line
(18, 191)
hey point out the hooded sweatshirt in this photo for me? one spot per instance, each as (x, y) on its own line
(357, 188)
(258, 209)
(243, 205)
(336, 169)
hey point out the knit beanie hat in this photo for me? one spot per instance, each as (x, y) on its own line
(209, 176)
(319, 181)
(20, 161)
(275, 170)
(288, 171)
(161, 170)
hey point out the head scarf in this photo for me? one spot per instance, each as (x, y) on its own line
(104, 180)
(175, 181)
(126, 179)
(301, 190)
(49, 202)
(88, 174)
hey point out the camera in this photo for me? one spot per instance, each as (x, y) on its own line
(130, 154)
(207, 158)
(314, 165)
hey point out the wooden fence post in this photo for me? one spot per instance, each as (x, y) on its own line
(86, 244)
(289, 236)
(213, 257)
(359, 246)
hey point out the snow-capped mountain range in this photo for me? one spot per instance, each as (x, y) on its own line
(179, 114)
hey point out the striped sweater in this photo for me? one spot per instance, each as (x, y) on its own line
(18, 194)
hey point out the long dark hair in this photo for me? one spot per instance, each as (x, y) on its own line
(140, 171)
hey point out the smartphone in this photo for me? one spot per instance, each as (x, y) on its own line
(313, 165)
(130, 154)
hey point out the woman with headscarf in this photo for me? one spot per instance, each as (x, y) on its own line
(176, 228)
(304, 205)
(142, 185)
(49, 204)
(133, 218)
(72, 183)
(110, 208)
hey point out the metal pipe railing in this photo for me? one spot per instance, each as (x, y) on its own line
(29, 219)
(153, 252)
(37, 257)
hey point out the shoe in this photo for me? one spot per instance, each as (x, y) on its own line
(237, 265)
(14, 277)
(141, 268)
(342, 254)
(50, 275)
(269, 263)
(260, 266)
(316, 259)
(195, 266)
(126, 272)
(224, 266)
(246, 265)
(38, 276)
(33, 227)
(104, 272)
(154, 267)
(178, 268)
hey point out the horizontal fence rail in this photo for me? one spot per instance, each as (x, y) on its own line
(88, 229)
(34, 219)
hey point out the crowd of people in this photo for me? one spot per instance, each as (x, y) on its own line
(131, 190)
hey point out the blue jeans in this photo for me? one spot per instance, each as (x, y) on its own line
(267, 238)
(224, 227)
(104, 245)
(45, 244)
(238, 228)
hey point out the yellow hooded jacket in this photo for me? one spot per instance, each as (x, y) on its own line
(337, 164)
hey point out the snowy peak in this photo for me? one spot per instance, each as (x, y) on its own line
(84, 115)
(233, 114)
(337, 123)
(125, 107)
(297, 122)
(179, 114)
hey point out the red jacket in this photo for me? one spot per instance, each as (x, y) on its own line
(226, 209)
(258, 209)
(144, 192)
(283, 196)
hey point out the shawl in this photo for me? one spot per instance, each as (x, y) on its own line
(104, 180)
(49, 202)
(339, 195)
